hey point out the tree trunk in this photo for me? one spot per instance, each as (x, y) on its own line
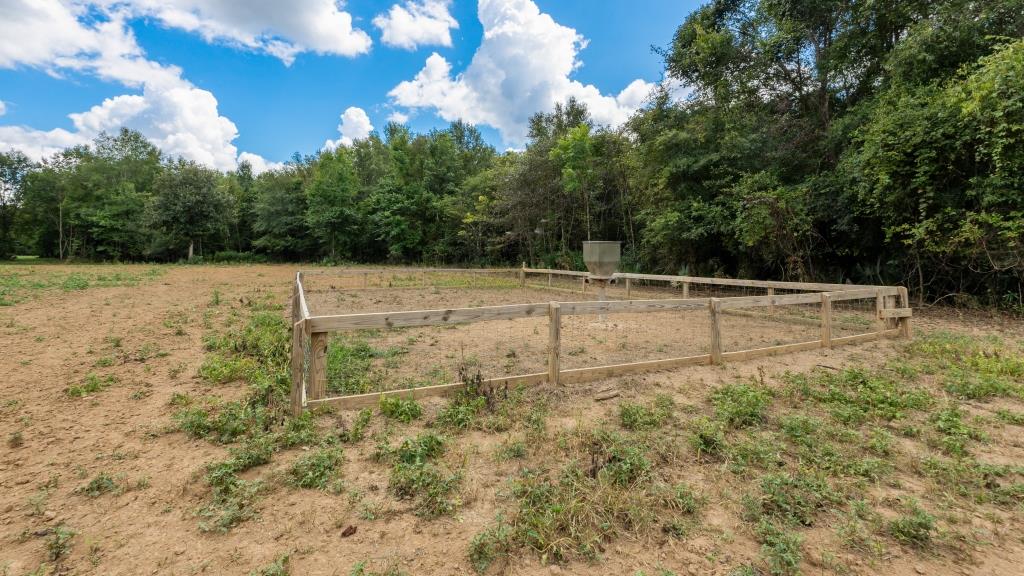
(191, 248)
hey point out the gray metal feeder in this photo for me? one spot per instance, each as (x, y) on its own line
(602, 260)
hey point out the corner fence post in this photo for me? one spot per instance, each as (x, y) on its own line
(295, 398)
(318, 366)
(554, 341)
(905, 330)
(826, 320)
(714, 309)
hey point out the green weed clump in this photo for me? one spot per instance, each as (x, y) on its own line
(790, 498)
(416, 475)
(92, 384)
(404, 410)
(954, 434)
(278, 567)
(316, 469)
(914, 528)
(637, 417)
(781, 549)
(854, 395)
(102, 483)
(972, 368)
(358, 429)
(740, 405)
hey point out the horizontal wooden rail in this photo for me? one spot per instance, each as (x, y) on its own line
(895, 313)
(356, 271)
(373, 398)
(425, 317)
(631, 306)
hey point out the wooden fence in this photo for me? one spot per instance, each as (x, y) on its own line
(310, 332)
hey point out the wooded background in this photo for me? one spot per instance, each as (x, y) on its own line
(875, 142)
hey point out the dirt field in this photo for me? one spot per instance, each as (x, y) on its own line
(101, 481)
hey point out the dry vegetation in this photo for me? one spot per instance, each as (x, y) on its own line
(144, 431)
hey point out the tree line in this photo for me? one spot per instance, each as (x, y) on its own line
(872, 142)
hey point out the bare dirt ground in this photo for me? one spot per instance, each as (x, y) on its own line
(149, 337)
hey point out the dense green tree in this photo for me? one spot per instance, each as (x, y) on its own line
(14, 168)
(189, 208)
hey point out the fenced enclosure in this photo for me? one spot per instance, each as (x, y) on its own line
(360, 334)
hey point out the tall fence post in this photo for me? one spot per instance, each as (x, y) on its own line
(554, 341)
(629, 291)
(686, 289)
(522, 276)
(295, 398)
(771, 301)
(549, 280)
(318, 366)
(826, 320)
(906, 330)
(714, 309)
(583, 284)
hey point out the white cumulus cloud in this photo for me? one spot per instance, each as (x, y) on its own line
(355, 125)
(523, 66)
(259, 163)
(180, 118)
(426, 23)
(3, 108)
(282, 29)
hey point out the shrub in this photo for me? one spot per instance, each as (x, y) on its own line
(638, 417)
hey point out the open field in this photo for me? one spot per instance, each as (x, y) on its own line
(143, 433)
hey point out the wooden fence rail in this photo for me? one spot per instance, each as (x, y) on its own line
(309, 380)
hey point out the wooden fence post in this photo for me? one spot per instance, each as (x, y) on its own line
(686, 289)
(554, 341)
(628, 289)
(714, 309)
(771, 302)
(583, 284)
(318, 366)
(366, 279)
(826, 320)
(297, 385)
(906, 330)
(549, 280)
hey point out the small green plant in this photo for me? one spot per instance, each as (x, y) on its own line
(792, 498)
(358, 429)
(954, 434)
(215, 298)
(15, 439)
(741, 404)
(640, 417)
(780, 549)
(492, 544)
(1010, 417)
(401, 409)
(278, 567)
(708, 438)
(102, 483)
(915, 528)
(58, 545)
(317, 469)
(91, 385)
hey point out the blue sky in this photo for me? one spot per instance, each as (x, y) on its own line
(291, 103)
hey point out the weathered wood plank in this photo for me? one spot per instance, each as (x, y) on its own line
(631, 306)
(584, 374)
(373, 398)
(425, 317)
(895, 313)
(826, 320)
(714, 310)
(554, 342)
(318, 366)
(734, 302)
(296, 397)
(770, 351)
